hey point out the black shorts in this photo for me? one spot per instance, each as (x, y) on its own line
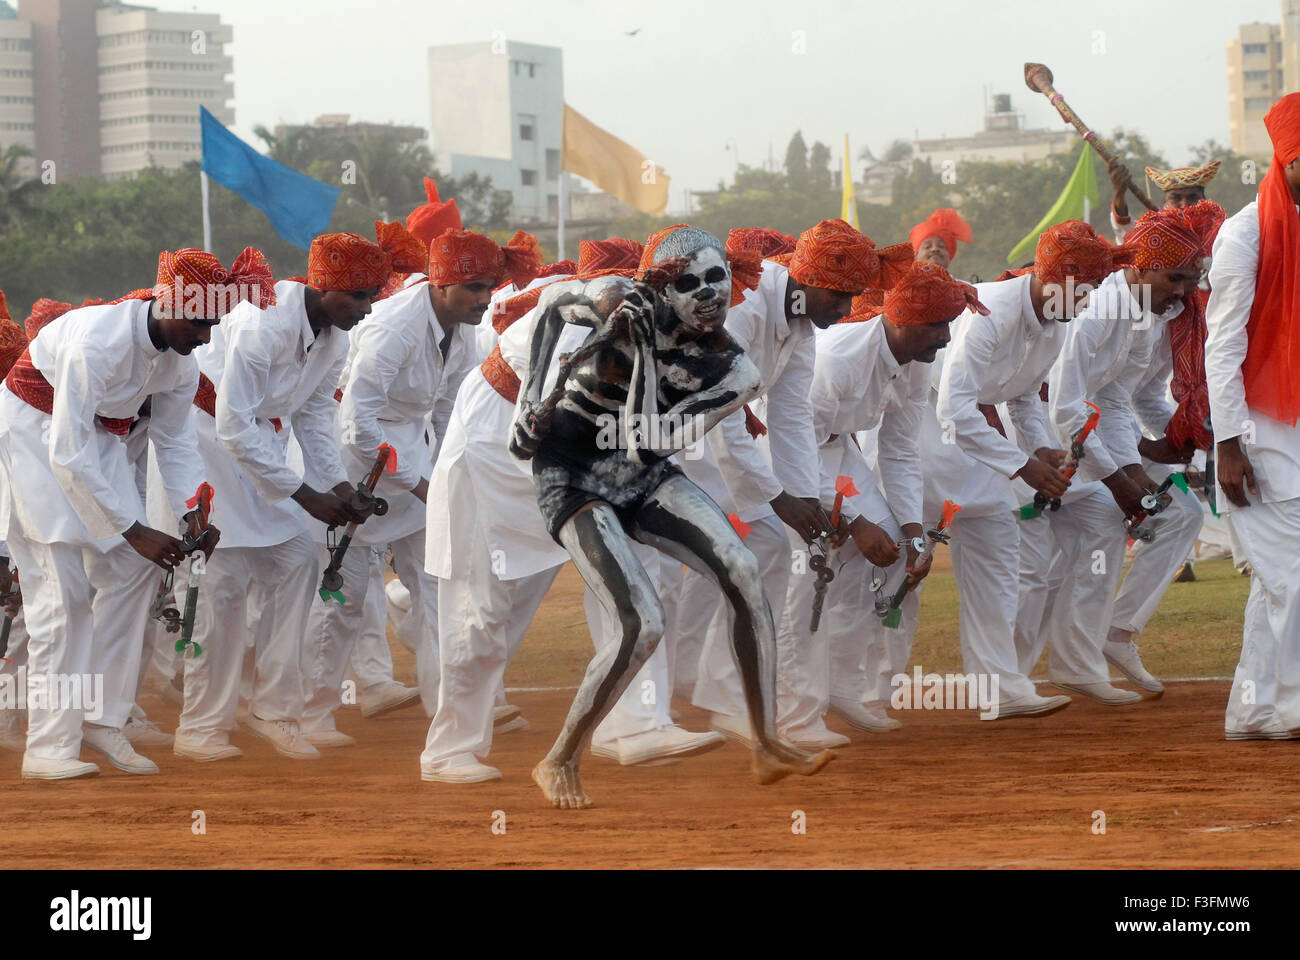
(565, 486)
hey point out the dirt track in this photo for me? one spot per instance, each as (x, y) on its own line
(945, 791)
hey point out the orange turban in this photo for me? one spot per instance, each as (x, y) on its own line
(44, 312)
(13, 340)
(348, 262)
(600, 258)
(4, 307)
(1271, 370)
(927, 293)
(1073, 249)
(435, 217)
(947, 225)
(1170, 238)
(459, 256)
(195, 282)
(834, 256)
(768, 243)
(560, 268)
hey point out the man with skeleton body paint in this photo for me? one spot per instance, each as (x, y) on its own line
(650, 352)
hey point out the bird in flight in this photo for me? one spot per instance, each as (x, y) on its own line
(632, 33)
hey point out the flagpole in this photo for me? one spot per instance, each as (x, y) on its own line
(559, 219)
(207, 214)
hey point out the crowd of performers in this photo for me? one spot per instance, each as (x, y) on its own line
(749, 450)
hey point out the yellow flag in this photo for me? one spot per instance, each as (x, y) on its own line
(614, 166)
(849, 206)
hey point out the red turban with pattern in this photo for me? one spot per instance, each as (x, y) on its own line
(601, 258)
(927, 293)
(44, 312)
(947, 225)
(348, 262)
(435, 217)
(768, 242)
(560, 268)
(13, 340)
(1271, 370)
(1172, 237)
(193, 283)
(1073, 249)
(459, 256)
(834, 256)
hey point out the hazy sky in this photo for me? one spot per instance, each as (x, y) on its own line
(702, 75)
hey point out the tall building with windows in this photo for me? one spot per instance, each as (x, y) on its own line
(117, 87)
(1257, 60)
(17, 87)
(497, 109)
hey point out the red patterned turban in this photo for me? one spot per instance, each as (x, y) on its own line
(1073, 249)
(348, 262)
(1171, 238)
(834, 256)
(433, 218)
(947, 225)
(460, 256)
(768, 243)
(194, 284)
(927, 293)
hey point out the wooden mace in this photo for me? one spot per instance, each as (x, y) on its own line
(1039, 79)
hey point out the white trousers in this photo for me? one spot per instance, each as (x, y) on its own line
(12, 718)
(1155, 563)
(85, 613)
(1090, 540)
(333, 628)
(986, 565)
(691, 600)
(481, 622)
(1040, 579)
(718, 687)
(372, 661)
(1266, 686)
(273, 587)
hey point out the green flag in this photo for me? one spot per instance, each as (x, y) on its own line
(1074, 203)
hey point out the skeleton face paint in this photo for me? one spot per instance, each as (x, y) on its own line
(702, 292)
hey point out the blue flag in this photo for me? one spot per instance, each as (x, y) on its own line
(298, 206)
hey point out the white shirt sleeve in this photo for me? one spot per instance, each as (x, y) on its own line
(899, 458)
(1067, 389)
(247, 370)
(375, 366)
(1232, 283)
(790, 423)
(958, 404)
(175, 445)
(1029, 416)
(79, 387)
(313, 426)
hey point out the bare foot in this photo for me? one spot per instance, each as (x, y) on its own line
(560, 783)
(777, 761)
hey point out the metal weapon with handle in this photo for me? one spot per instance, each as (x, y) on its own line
(192, 544)
(1152, 504)
(1077, 453)
(824, 564)
(366, 503)
(1039, 79)
(892, 613)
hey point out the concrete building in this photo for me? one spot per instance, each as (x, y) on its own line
(497, 109)
(117, 87)
(17, 88)
(1256, 79)
(1004, 138)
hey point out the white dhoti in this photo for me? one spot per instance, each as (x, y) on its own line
(1155, 563)
(371, 661)
(1266, 685)
(691, 601)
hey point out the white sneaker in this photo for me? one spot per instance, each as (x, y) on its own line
(284, 736)
(504, 713)
(1123, 656)
(668, 742)
(329, 737)
(39, 768)
(398, 595)
(733, 728)
(1274, 730)
(1101, 692)
(473, 772)
(863, 716)
(815, 738)
(385, 697)
(517, 725)
(142, 731)
(116, 748)
(204, 751)
(1031, 706)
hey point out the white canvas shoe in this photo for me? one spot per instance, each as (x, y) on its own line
(116, 748)
(39, 768)
(733, 728)
(668, 742)
(864, 717)
(1033, 706)
(472, 772)
(1123, 656)
(284, 735)
(146, 733)
(1101, 692)
(205, 751)
(382, 698)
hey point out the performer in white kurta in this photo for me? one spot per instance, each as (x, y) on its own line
(272, 370)
(405, 366)
(1117, 354)
(831, 264)
(13, 719)
(489, 549)
(1003, 358)
(872, 370)
(76, 523)
(1253, 368)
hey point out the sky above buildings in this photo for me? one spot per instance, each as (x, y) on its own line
(704, 82)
